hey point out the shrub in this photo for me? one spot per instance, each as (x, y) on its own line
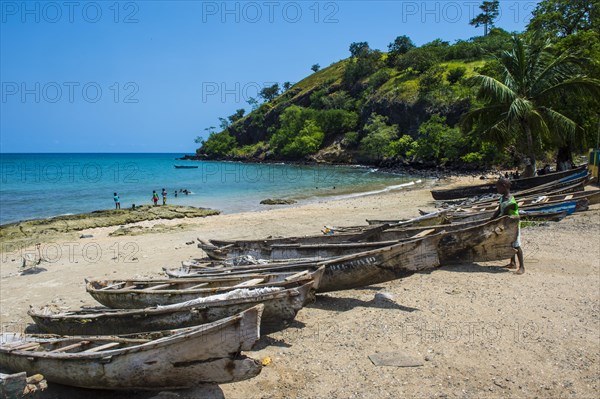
(456, 74)
(402, 146)
(437, 141)
(379, 136)
(351, 139)
(219, 144)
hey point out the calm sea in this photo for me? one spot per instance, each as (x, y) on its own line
(44, 185)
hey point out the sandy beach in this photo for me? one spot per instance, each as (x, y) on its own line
(477, 329)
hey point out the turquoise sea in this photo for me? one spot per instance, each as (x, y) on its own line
(43, 185)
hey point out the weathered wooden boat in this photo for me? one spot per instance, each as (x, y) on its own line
(280, 308)
(479, 242)
(186, 167)
(533, 212)
(593, 197)
(136, 294)
(321, 247)
(359, 269)
(474, 242)
(173, 359)
(516, 185)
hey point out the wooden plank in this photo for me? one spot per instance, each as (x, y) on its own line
(69, 347)
(109, 287)
(249, 283)
(297, 275)
(27, 346)
(158, 287)
(423, 233)
(195, 287)
(103, 347)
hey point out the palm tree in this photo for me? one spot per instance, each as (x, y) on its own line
(523, 105)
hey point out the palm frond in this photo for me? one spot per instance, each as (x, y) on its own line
(493, 90)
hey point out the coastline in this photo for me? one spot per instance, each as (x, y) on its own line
(479, 330)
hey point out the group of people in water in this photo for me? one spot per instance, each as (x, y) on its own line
(155, 197)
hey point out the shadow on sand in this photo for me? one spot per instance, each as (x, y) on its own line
(328, 302)
(57, 391)
(476, 268)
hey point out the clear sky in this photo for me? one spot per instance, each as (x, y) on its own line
(149, 76)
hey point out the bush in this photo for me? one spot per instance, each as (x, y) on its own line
(402, 146)
(437, 141)
(431, 80)
(418, 59)
(336, 121)
(298, 135)
(456, 74)
(219, 144)
(338, 100)
(351, 139)
(307, 141)
(379, 136)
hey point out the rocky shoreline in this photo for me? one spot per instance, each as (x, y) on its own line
(29, 232)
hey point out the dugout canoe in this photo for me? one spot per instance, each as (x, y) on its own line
(359, 269)
(516, 185)
(280, 308)
(138, 294)
(174, 359)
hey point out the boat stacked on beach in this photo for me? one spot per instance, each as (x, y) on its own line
(191, 328)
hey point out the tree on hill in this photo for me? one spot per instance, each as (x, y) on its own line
(239, 114)
(286, 86)
(401, 45)
(315, 67)
(523, 104)
(565, 17)
(487, 17)
(269, 93)
(359, 49)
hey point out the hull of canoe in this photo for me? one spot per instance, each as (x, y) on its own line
(207, 355)
(280, 308)
(516, 185)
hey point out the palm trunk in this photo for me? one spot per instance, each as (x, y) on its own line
(530, 152)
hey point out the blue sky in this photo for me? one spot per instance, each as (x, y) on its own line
(149, 76)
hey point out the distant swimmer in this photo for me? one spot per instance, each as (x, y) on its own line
(117, 201)
(164, 196)
(175, 193)
(154, 197)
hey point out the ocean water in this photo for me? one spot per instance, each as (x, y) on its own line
(44, 185)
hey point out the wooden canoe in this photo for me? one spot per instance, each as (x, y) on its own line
(280, 308)
(137, 294)
(593, 197)
(470, 242)
(174, 359)
(358, 269)
(516, 185)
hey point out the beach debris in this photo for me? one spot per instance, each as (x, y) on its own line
(86, 236)
(384, 297)
(31, 262)
(266, 361)
(277, 201)
(18, 385)
(190, 242)
(395, 359)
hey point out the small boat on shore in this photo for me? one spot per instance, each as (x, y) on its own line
(186, 167)
(138, 294)
(280, 308)
(173, 359)
(516, 185)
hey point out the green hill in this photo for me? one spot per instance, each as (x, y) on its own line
(403, 106)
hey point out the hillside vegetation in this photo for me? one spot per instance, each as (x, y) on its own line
(406, 105)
